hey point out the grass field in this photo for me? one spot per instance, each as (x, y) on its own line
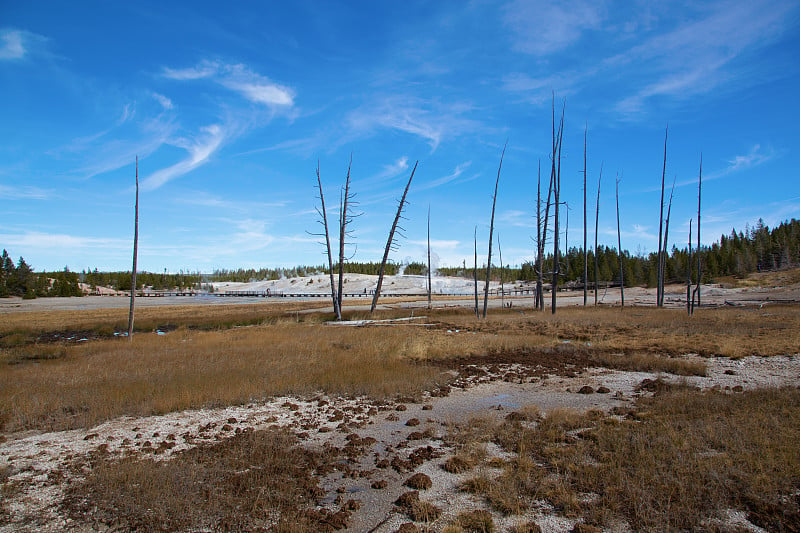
(673, 461)
(236, 354)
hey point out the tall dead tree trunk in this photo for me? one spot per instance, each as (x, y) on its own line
(596, 224)
(135, 251)
(665, 254)
(699, 270)
(429, 256)
(324, 221)
(660, 278)
(344, 220)
(502, 288)
(491, 234)
(556, 200)
(585, 249)
(566, 236)
(475, 271)
(544, 236)
(689, 274)
(619, 252)
(538, 295)
(390, 240)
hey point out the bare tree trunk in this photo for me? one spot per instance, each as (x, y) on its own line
(544, 236)
(475, 271)
(665, 255)
(596, 224)
(660, 279)
(429, 256)
(566, 237)
(538, 297)
(343, 221)
(390, 240)
(699, 270)
(491, 234)
(585, 249)
(502, 289)
(135, 250)
(324, 216)
(689, 274)
(619, 252)
(556, 201)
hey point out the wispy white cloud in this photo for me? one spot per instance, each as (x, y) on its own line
(165, 102)
(454, 175)
(429, 120)
(752, 159)
(12, 47)
(520, 219)
(24, 193)
(238, 78)
(18, 44)
(392, 170)
(204, 199)
(200, 149)
(541, 27)
(442, 244)
(699, 56)
(107, 155)
(47, 241)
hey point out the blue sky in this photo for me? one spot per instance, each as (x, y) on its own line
(229, 110)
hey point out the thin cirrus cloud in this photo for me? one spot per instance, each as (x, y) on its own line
(237, 77)
(699, 57)
(200, 150)
(660, 59)
(430, 120)
(542, 27)
(24, 193)
(17, 44)
(454, 175)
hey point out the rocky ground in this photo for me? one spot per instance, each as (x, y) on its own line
(385, 443)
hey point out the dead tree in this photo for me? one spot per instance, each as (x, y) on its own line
(502, 289)
(689, 274)
(323, 215)
(663, 265)
(491, 234)
(538, 296)
(429, 256)
(596, 224)
(660, 279)
(699, 270)
(619, 251)
(475, 271)
(344, 220)
(556, 172)
(135, 250)
(544, 240)
(585, 249)
(390, 242)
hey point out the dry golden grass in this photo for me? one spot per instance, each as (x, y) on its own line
(731, 332)
(762, 279)
(214, 360)
(686, 456)
(106, 321)
(185, 369)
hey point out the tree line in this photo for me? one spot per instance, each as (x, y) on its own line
(20, 280)
(755, 249)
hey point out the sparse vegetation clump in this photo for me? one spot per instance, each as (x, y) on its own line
(681, 459)
(253, 480)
